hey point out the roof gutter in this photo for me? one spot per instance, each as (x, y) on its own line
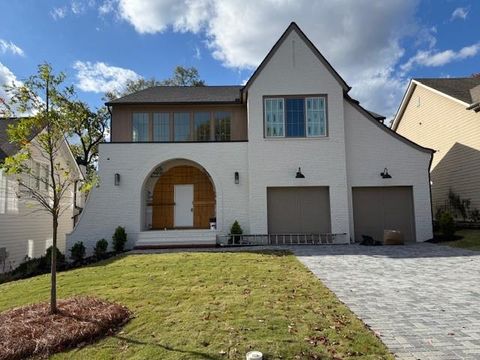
(475, 107)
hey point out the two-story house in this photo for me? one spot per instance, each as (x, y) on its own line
(25, 226)
(444, 114)
(288, 153)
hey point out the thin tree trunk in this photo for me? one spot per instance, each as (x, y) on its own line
(53, 288)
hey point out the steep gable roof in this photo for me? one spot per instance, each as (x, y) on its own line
(229, 94)
(458, 88)
(461, 90)
(294, 27)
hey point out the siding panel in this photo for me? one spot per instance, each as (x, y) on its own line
(444, 125)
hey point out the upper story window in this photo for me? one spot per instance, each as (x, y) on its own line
(201, 124)
(222, 126)
(161, 126)
(274, 115)
(181, 126)
(140, 127)
(295, 116)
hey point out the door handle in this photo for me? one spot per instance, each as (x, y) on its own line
(191, 209)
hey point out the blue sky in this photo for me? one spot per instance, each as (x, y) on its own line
(377, 46)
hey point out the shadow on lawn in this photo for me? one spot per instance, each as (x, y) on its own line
(168, 348)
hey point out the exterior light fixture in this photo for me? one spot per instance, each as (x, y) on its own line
(385, 174)
(117, 179)
(237, 178)
(299, 174)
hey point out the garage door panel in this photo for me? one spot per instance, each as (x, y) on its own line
(298, 210)
(376, 209)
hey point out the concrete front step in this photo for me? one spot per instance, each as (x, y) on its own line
(176, 238)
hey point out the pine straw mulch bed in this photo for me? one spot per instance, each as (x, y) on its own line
(32, 331)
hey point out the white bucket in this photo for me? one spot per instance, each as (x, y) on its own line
(254, 355)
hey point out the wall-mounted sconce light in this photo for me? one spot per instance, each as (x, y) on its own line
(299, 174)
(237, 178)
(385, 174)
(117, 179)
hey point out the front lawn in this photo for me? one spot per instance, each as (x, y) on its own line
(470, 239)
(211, 306)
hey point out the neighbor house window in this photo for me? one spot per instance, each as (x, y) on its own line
(140, 127)
(8, 194)
(181, 121)
(202, 126)
(295, 117)
(39, 175)
(274, 124)
(3, 192)
(222, 126)
(161, 126)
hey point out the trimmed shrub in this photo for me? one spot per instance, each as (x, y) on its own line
(100, 248)
(48, 258)
(446, 225)
(77, 252)
(236, 229)
(119, 239)
(475, 215)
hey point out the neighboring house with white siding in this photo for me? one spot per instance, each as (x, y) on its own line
(444, 114)
(25, 227)
(290, 154)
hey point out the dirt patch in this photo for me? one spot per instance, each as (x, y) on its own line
(33, 331)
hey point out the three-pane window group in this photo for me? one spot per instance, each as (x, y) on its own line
(295, 117)
(182, 126)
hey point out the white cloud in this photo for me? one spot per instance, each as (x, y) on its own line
(439, 58)
(459, 13)
(10, 47)
(197, 54)
(361, 39)
(107, 7)
(77, 7)
(58, 13)
(7, 77)
(100, 77)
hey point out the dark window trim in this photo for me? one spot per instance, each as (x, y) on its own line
(297, 96)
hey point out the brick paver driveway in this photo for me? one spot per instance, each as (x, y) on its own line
(423, 300)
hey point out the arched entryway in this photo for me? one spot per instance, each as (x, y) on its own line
(182, 197)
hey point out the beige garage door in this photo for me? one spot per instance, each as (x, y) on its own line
(298, 210)
(379, 208)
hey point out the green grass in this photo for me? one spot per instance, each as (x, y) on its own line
(470, 239)
(211, 306)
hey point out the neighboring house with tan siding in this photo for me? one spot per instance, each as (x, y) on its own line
(25, 228)
(444, 114)
(290, 155)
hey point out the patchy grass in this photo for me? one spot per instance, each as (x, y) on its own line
(33, 331)
(211, 306)
(468, 239)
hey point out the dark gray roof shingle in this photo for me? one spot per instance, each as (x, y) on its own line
(6, 147)
(459, 88)
(182, 95)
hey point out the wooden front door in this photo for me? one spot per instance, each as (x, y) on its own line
(165, 200)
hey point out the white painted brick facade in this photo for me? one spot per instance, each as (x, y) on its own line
(354, 153)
